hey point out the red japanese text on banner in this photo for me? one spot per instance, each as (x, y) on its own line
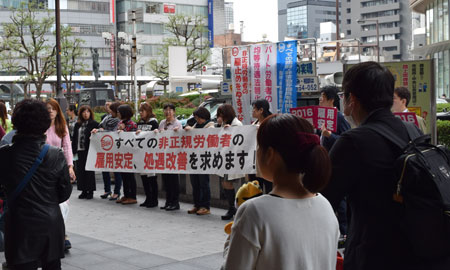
(264, 73)
(201, 151)
(241, 83)
(318, 116)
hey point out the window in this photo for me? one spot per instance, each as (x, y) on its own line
(349, 32)
(377, 3)
(153, 8)
(349, 10)
(349, 21)
(390, 49)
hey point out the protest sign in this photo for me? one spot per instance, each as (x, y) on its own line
(240, 84)
(318, 116)
(229, 150)
(263, 59)
(287, 75)
(408, 117)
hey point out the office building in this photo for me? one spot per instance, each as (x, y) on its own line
(360, 18)
(301, 19)
(437, 39)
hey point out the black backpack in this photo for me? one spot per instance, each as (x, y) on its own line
(422, 197)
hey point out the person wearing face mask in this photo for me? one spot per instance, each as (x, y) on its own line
(363, 165)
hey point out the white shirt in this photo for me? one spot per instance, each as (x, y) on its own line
(276, 233)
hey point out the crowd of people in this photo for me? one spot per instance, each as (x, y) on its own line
(320, 185)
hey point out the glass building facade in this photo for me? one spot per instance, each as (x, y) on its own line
(297, 22)
(437, 32)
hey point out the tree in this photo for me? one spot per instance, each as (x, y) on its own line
(71, 54)
(185, 31)
(27, 37)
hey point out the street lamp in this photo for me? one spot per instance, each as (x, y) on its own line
(361, 21)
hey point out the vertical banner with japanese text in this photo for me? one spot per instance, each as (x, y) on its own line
(240, 79)
(229, 150)
(263, 76)
(287, 75)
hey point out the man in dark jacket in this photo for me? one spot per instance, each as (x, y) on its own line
(363, 171)
(34, 227)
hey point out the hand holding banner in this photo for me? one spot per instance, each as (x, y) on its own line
(201, 151)
(318, 116)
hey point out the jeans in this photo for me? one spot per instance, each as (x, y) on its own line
(200, 190)
(129, 185)
(172, 187)
(107, 182)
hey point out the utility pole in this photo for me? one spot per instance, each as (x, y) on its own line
(338, 36)
(133, 62)
(59, 93)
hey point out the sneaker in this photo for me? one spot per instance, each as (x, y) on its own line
(121, 199)
(193, 210)
(203, 211)
(129, 201)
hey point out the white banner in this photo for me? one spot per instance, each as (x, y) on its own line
(264, 73)
(229, 150)
(241, 87)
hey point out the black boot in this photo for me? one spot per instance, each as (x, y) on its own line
(229, 195)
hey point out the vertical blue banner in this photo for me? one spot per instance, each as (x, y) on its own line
(210, 24)
(287, 75)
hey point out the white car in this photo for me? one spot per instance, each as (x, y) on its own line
(441, 101)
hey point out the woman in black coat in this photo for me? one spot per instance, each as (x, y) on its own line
(34, 227)
(80, 145)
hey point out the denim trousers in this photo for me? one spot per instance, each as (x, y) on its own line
(107, 182)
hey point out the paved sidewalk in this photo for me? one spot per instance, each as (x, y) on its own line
(107, 235)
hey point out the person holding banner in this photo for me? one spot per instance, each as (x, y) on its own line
(261, 110)
(110, 123)
(124, 113)
(200, 182)
(80, 146)
(293, 227)
(402, 96)
(170, 181)
(148, 122)
(329, 98)
(227, 116)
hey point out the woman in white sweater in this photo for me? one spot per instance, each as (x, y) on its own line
(293, 227)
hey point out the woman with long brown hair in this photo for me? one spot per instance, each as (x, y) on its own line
(4, 120)
(80, 145)
(58, 133)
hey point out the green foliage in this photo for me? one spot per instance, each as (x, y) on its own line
(179, 111)
(443, 132)
(71, 61)
(26, 36)
(440, 107)
(187, 31)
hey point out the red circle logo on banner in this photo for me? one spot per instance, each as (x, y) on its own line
(107, 142)
(235, 51)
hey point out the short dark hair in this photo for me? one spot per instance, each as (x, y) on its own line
(169, 105)
(403, 93)
(72, 108)
(80, 113)
(126, 112)
(202, 112)
(262, 104)
(31, 117)
(227, 113)
(371, 83)
(331, 92)
(113, 107)
(284, 133)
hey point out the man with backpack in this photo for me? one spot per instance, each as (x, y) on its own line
(365, 172)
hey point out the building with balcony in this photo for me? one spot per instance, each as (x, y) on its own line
(301, 19)
(437, 34)
(360, 18)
